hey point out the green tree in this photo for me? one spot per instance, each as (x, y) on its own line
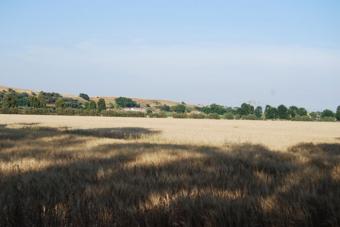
(35, 102)
(315, 116)
(302, 112)
(338, 113)
(180, 108)
(271, 112)
(258, 112)
(60, 103)
(10, 99)
(48, 97)
(246, 109)
(126, 102)
(91, 105)
(218, 109)
(22, 99)
(327, 113)
(214, 108)
(101, 104)
(165, 108)
(292, 111)
(42, 99)
(84, 96)
(282, 112)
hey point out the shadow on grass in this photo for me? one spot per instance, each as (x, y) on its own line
(136, 183)
(43, 132)
(116, 133)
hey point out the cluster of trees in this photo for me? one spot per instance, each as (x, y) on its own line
(54, 103)
(124, 102)
(247, 111)
(12, 99)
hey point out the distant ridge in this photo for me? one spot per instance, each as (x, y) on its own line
(108, 99)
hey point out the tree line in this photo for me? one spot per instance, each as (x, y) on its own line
(54, 103)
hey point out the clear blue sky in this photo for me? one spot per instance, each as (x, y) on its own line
(227, 52)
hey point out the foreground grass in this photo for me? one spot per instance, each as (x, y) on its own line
(117, 177)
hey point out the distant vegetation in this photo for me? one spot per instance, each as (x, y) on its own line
(12, 102)
(126, 102)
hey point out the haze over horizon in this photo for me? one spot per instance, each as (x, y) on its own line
(194, 51)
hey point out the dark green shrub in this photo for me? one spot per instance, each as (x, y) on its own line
(101, 105)
(213, 108)
(180, 108)
(91, 105)
(84, 96)
(124, 102)
(49, 97)
(165, 108)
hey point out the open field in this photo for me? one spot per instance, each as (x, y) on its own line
(273, 134)
(96, 171)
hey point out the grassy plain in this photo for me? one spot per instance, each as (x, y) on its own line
(94, 171)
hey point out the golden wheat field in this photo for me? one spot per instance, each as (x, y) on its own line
(96, 171)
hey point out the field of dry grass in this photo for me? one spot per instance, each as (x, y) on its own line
(93, 171)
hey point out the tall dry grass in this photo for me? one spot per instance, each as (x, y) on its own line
(118, 177)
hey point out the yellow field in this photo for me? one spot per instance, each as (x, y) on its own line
(96, 171)
(273, 134)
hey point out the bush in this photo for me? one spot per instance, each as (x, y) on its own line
(158, 115)
(316, 116)
(228, 116)
(301, 118)
(165, 108)
(49, 97)
(327, 113)
(250, 117)
(179, 115)
(213, 108)
(124, 102)
(237, 117)
(180, 108)
(91, 105)
(84, 96)
(110, 113)
(214, 116)
(197, 116)
(101, 105)
(328, 119)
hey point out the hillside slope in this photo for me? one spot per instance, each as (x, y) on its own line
(108, 99)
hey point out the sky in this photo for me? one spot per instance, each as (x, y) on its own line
(200, 52)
